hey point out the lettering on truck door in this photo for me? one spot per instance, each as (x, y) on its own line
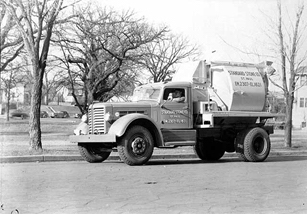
(175, 111)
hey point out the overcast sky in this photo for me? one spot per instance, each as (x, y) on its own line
(215, 25)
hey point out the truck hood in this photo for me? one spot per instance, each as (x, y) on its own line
(124, 108)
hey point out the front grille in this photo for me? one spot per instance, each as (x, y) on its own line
(96, 120)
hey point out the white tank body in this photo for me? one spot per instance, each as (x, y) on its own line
(240, 88)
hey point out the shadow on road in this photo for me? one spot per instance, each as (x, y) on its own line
(190, 161)
(224, 160)
(286, 158)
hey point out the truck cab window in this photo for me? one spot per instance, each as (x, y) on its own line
(146, 93)
(174, 95)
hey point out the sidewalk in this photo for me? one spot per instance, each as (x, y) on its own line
(156, 155)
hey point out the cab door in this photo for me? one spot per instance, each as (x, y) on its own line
(176, 114)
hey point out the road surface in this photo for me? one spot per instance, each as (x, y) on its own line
(278, 185)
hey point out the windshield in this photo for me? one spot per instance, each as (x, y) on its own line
(146, 93)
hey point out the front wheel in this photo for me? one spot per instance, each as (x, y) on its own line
(93, 153)
(136, 146)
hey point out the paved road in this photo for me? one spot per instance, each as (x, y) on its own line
(278, 185)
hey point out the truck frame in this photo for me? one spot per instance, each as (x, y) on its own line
(202, 120)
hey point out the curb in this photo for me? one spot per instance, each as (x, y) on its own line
(115, 157)
(59, 158)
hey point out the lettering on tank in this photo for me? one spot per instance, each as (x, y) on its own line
(246, 78)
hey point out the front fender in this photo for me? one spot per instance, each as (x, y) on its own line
(120, 126)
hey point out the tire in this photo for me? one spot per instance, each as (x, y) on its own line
(136, 146)
(256, 145)
(199, 150)
(209, 149)
(93, 153)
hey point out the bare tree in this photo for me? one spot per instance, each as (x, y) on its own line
(54, 79)
(102, 44)
(73, 82)
(11, 45)
(35, 21)
(286, 39)
(290, 40)
(10, 40)
(159, 57)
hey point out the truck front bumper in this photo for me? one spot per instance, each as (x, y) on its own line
(106, 138)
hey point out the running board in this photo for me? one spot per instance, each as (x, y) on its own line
(180, 143)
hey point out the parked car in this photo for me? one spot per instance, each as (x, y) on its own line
(65, 114)
(44, 114)
(59, 114)
(19, 113)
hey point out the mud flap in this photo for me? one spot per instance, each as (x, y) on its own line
(239, 146)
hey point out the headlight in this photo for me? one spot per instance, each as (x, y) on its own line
(107, 116)
(84, 118)
(117, 114)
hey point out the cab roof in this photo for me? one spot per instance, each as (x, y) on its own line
(169, 84)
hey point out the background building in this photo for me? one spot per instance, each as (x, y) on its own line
(300, 102)
(20, 96)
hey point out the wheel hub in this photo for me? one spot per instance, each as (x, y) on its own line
(138, 145)
(259, 145)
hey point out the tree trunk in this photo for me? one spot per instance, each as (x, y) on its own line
(8, 95)
(90, 96)
(47, 98)
(34, 121)
(288, 122)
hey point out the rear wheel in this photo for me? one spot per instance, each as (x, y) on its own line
(93, 153)
(136, 146)
(209, 149)
(256, 145)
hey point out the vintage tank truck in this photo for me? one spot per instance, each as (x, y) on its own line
(222, 108)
